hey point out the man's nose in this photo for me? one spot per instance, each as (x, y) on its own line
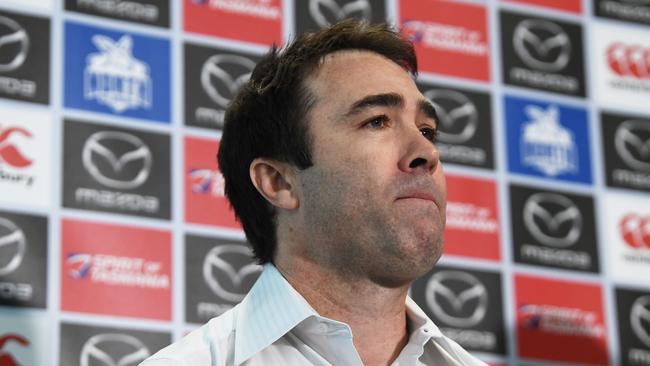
(419, 153)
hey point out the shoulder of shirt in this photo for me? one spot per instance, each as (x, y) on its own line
(208, 344)
(270, 309)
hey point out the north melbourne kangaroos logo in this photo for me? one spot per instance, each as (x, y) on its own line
(546, 145)
(113, 77)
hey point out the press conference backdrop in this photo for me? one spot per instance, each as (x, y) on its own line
(116, 238)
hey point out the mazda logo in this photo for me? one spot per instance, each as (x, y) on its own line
(113, 349)
(542, 45)
(14, 44)
(222, 76)
(632, 142)
(234, 269)
(13, 245)
(457, 298)
(457, 115)
(553, 219)
(640, 319)
(328, 12)
(116, 159)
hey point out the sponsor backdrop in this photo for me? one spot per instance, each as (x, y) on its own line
(116, 237)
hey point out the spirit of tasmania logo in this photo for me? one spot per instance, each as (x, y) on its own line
(574, 6)
(472, 219)
(117, 73)
(239, 20)
(547, 140)
(116, 270)
(450, 38)
(205, 201)
(565, 316)
(129, 264)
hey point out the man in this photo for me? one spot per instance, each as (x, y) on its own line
(330, 164)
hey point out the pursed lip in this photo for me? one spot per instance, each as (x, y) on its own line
(423, 195)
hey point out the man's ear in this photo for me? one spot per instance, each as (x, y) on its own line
(276, 182)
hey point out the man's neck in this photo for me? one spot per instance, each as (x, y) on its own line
(376, 314)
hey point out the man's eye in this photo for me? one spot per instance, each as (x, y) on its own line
(377, 122)
(429, 133)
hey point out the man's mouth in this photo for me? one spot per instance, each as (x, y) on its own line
(421, 195)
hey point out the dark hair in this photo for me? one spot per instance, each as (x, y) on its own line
(267, 117)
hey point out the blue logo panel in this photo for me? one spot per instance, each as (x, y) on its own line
(122, 74)
(548, 140)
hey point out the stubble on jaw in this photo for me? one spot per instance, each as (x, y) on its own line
(352, 235)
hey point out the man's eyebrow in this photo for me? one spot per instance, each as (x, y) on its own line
(376, 100)
(428, 109)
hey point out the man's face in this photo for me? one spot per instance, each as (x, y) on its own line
(373, 203)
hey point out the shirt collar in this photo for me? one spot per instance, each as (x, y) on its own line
(273, 307)
(270, 310)
(426, 334)
(419, 321)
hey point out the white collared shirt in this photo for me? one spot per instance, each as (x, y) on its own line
(274, 325)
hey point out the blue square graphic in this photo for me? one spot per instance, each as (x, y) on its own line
(548, 140)
(118, 73)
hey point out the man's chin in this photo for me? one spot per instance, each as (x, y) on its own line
(425, 244)
(409, 266)
(425, 254)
